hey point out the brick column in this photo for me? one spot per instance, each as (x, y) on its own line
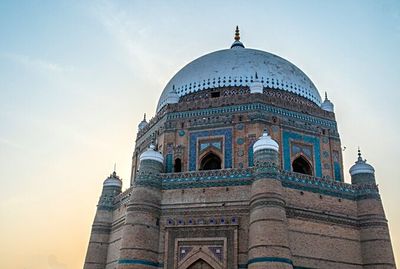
(140, 237)
(268, 231)
(96, 256)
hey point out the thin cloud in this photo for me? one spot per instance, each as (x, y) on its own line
(36, 63)
(133, 38)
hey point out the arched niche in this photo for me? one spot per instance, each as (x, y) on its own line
(200, 264)
(200, 258)
(210, 161)
(178, 165)
(302, 165)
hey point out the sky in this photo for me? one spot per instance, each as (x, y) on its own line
(77, 76)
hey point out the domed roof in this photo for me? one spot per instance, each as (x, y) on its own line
(237, 67)
(265, 142)
(113, 181)
(151, 154)
(361, 167)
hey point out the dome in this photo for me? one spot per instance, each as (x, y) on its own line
(152, 154)
(327, 105)
(143, 123)
(237, 67)
(361, 167)
(113, 181)
(265, 142)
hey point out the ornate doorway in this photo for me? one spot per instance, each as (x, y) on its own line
(200, 264)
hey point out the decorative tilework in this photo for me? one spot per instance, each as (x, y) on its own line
(250, 154)
(240, 177)
(269, 259)
(181, 133)
(227, 133)
(240, 141)
(168, 163)
(288, 136)
(240, 126)
(183, 252)
(142, 262)
(337, 169)
(217, 251)
(252, 107)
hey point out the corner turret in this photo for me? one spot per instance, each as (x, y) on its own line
(362, 172)
(327, 105)
(143, 123)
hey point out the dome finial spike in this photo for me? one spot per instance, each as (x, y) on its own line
(144, 117)
(256, 76)
(326, 95)
(237, 33)
(359, 154)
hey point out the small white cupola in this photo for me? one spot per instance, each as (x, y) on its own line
(265, 142)
(327, 105)
(143, 123)
(151, 154)
(172, 97)
(113, 181)
(361, 166)
(256, 86)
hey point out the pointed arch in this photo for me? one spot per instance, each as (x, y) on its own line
(178, 165)
(210, 161)
(200, 264)
(302, 165)
(198, 256)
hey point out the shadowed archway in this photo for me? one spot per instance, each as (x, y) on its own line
(302, 165)
(210, 162)
(200, 264)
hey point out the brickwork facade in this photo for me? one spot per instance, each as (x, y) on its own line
(256, 211)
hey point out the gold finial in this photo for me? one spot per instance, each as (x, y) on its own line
(237, 34)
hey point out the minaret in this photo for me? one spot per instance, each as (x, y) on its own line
(140, 235)
(143, 123)
(268, 231)
(327, 105)
(96, 256)
(376, 247)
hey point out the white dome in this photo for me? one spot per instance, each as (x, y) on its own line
(237, 67)
(327, 105)
(113, 181)
(361, 167)
(143, 123)
(265, 142)
(151, 154)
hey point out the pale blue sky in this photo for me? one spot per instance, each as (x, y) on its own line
(77, 76)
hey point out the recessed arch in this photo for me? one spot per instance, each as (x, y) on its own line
(200, 264)
(302, 165)
(210, 161)
(178, 165)
(200, 258)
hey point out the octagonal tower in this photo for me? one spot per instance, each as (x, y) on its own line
(215, 191)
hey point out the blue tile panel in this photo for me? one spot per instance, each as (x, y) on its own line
(226, 133)
(245, 266)
(337, 169)
(270, 259)
(250, 155)
(253, 107)
(168, 163)
(142, 262)
(288, 136)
